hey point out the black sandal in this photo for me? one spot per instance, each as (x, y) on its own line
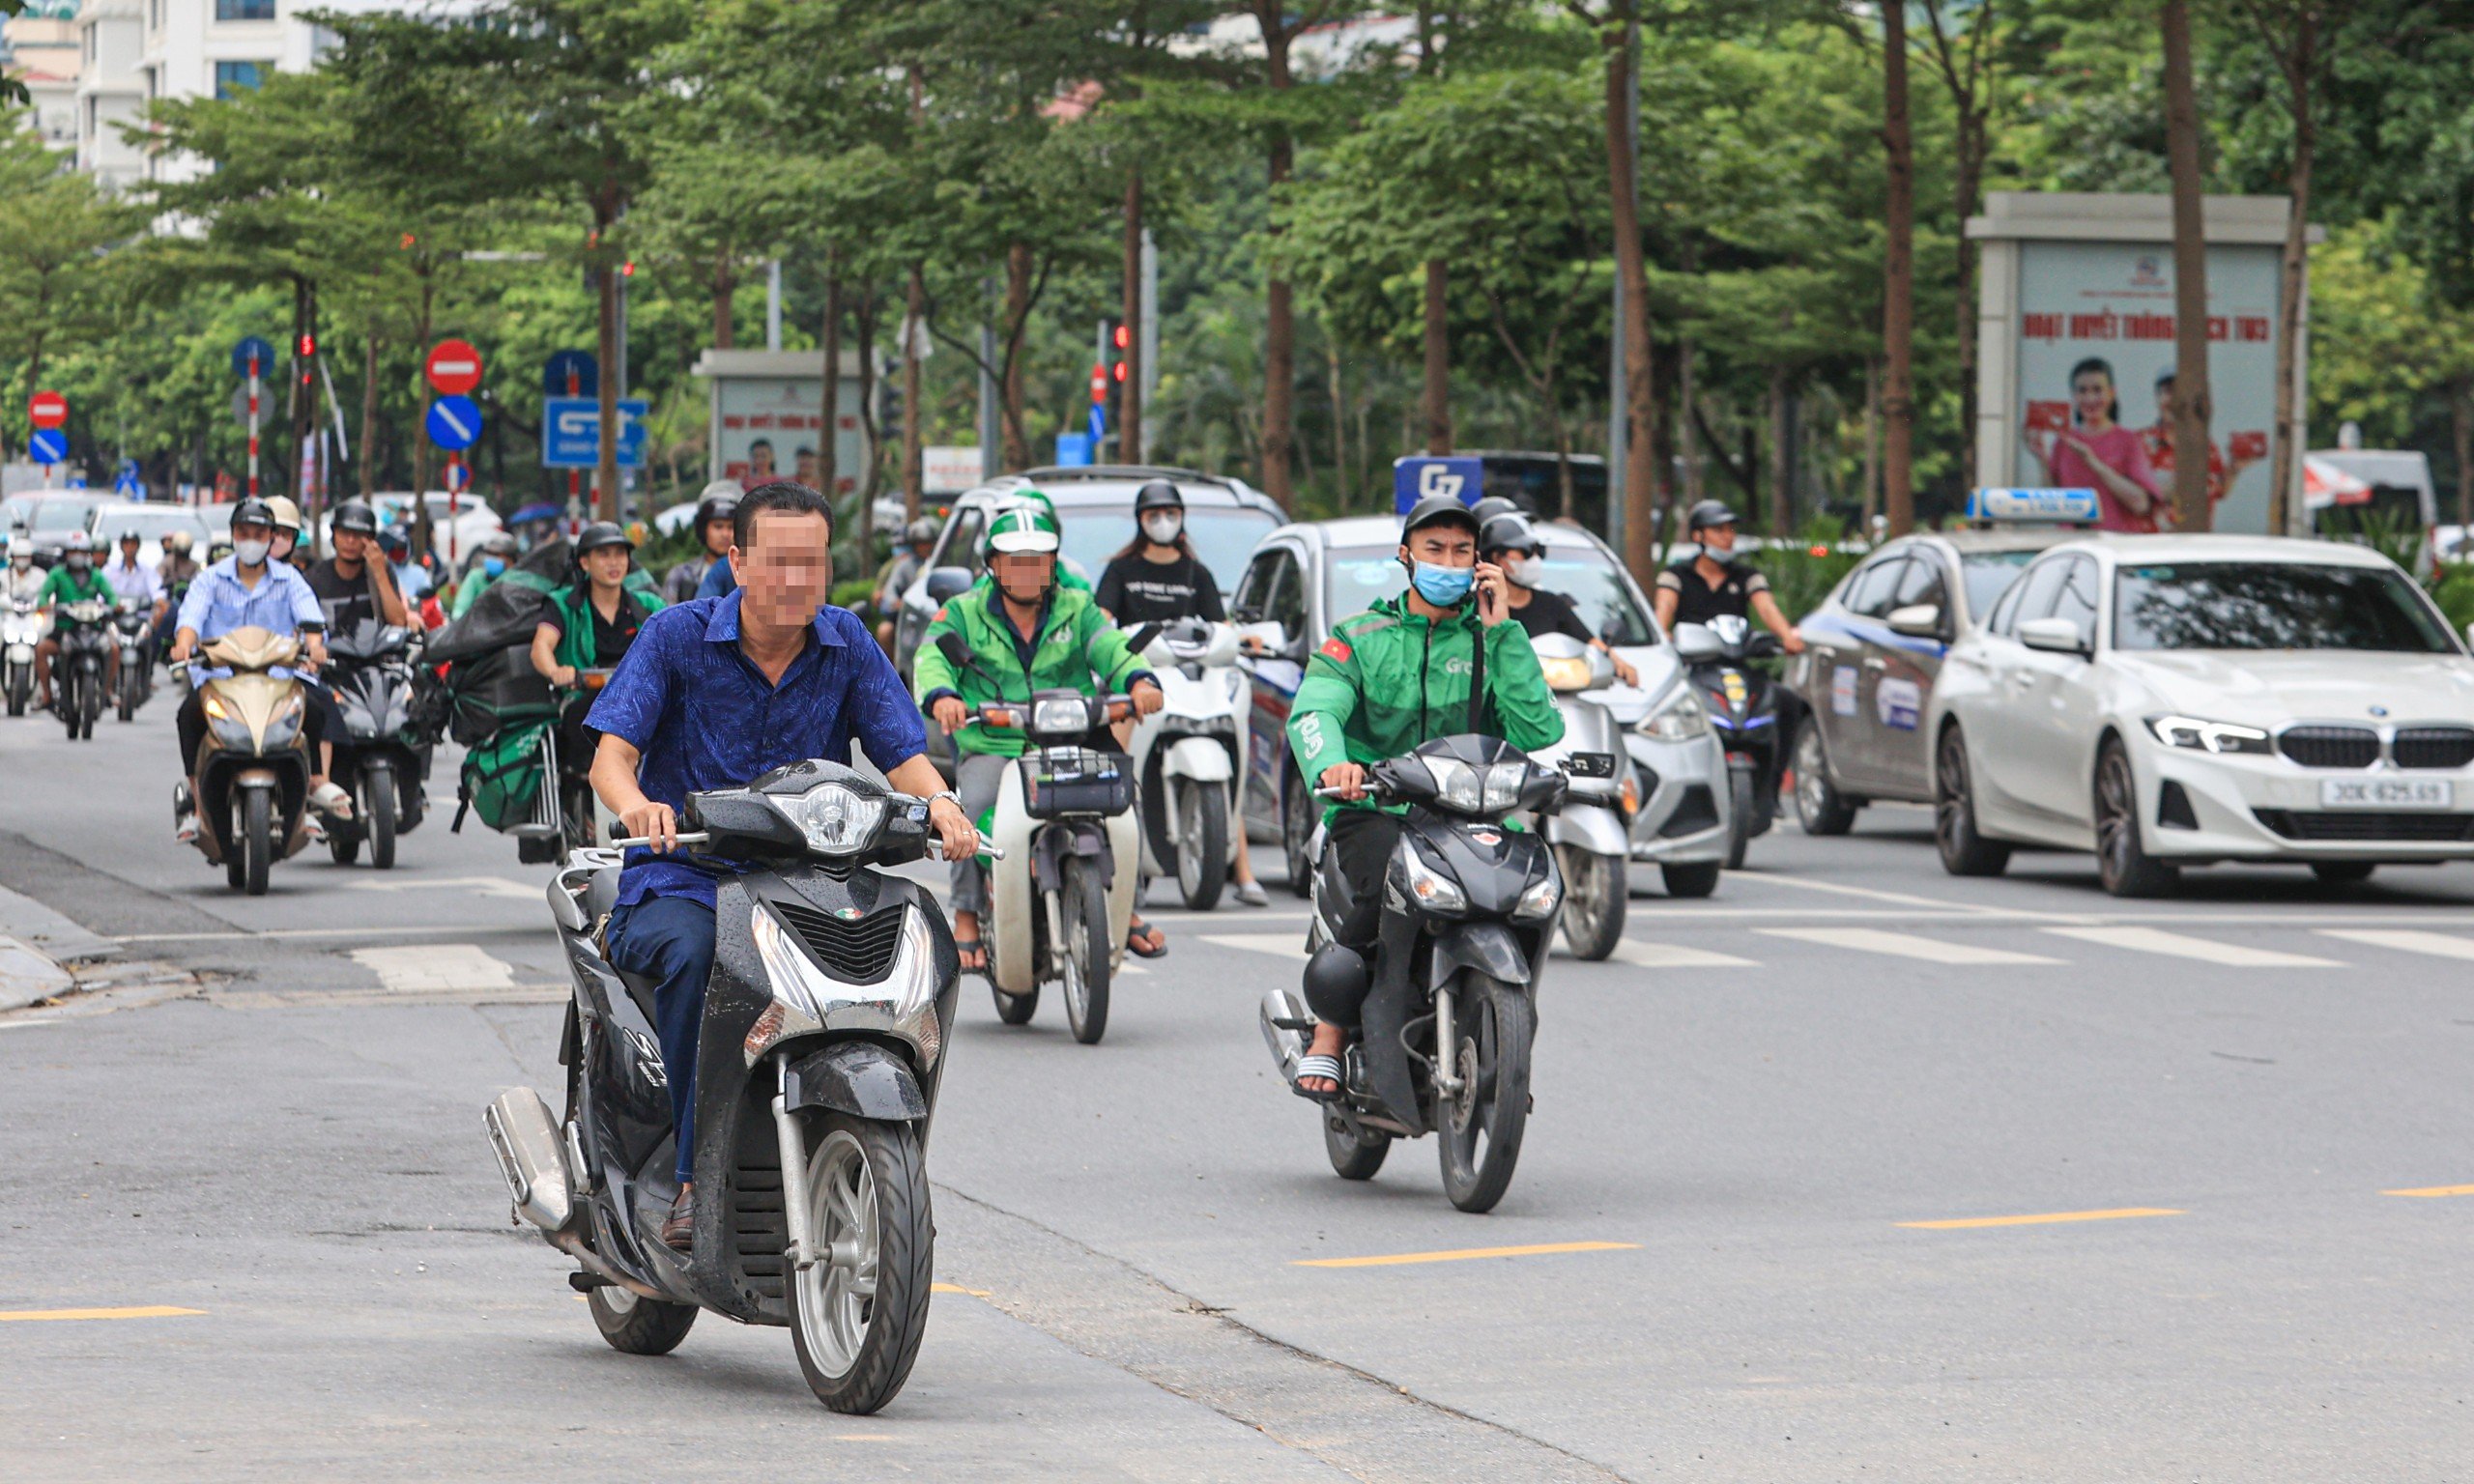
(964, 947)
(1135, 931)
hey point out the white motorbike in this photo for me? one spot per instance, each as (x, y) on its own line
(1589, 830)
(1187, 758)
(20, 631)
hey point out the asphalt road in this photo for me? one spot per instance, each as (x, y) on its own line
(1784, 1144)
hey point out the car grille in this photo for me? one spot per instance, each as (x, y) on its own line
(2368, 824)
(1695, 812)
(857, 951)
(2330, 747)
(2433, 747)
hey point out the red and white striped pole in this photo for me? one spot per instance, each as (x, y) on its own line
(253, 425)
(575, 476)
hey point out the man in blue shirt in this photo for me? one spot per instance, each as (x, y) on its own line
(712, 693)
(247, 590)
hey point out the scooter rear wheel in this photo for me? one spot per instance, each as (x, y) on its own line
(1744, 796)
(1595, 891)
(1481, 1128)
(1085, 911)
(637, 1325)
(1351, 1157)
(1016, 1008)
(858, 1312)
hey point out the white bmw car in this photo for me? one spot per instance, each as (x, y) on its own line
(2178, 700)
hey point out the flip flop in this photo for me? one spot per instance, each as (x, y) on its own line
(1135, 932)
(964, 947)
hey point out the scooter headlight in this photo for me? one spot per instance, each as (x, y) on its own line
(1053, 718)
(1543, 897)
(836, 818)
(1432, 888)
(285, 724)
(1680, 718)
(1457, 784)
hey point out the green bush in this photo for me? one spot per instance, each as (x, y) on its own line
(2454, 591)
(1802, 574)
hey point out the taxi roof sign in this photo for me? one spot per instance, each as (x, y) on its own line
(2057, 507)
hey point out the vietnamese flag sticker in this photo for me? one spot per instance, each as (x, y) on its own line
(1337, 649)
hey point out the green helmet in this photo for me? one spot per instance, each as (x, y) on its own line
(1022, 528)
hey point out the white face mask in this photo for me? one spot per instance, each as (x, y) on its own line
(251, 553)
(1163, 527)
(1528, 571)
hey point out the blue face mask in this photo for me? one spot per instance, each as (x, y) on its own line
(494, 565)
(1442, 587)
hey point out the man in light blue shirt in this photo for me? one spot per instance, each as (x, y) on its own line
(248, 591)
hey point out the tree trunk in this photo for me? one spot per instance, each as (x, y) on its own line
(725, 296)
(1782, 503)
(1018, 308)
(1434, 399)
(1969, 186)
(605, 471)
(913, 330)
(828, 448)
(1280, 331)
(370, 416)
(1130, 390)
(425, 535)
(2460, 411)
(1641, 457)
(863, 326)
(2292, 276)
(2191, 402)
(1339, 419)
(1872, 442)
(1898, 279)
(1688, 437)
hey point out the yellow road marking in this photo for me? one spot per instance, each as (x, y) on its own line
(2049, 1218)
(151, 1311)
(956, 1288)
(1465, 1254)
(2435, 1190)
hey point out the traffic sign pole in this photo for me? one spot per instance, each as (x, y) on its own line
(575, 476)
(253, 425)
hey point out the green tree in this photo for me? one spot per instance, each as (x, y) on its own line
(54, 228)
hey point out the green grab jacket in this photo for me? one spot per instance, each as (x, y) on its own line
(1387, 681)
(1075, 648)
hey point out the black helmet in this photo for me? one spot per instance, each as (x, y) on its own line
(252, 512)
(1709, 513)
(601, 533)
(1507, 533)
(353, 515)
(1435, 509)
(1493, 505)
(719, 502)
(1158, 495)
(921, 530)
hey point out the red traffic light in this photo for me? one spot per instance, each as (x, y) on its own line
(626, 270)
(1119, 370)
(1122, 338)
(308, 346)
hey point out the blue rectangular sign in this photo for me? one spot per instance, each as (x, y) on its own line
(571, 432)
(2060, 506)
(1419, 475)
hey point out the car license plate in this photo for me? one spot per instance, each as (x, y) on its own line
(2385, 793)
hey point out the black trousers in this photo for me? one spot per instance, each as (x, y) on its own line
(1361, 841)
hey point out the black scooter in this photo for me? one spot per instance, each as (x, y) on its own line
(77, 675)
(824, 1027)
(134, 625)
(1446, 1013)
(1743, 706)
(383, 758)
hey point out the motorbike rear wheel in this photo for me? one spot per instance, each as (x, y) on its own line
(1480, 1130)
(257, 838)
(1351, 1157)
(636, 1324)
(1016, 1008)
(1084, 908)
(343, 843)
(1202, 843)
(1690, 879)
(1594, 890)
(73, 707)
(1742, 794)
(858, 1314)
(378, 815)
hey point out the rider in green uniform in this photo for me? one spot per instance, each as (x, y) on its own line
(1396, 676)
(74, 581)
(1026, 631)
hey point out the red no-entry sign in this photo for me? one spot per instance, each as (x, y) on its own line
(48, 410)
(453, 367)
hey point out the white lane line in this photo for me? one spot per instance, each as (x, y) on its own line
(2178, 945)
(479, 886)
(1902, 945)
(2406, 940)
(1285, 945)
(435, 967)
(526, 930)
(1904, 899)
(1676, 955)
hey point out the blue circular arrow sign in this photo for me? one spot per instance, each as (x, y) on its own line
(251, 346)
(578, 364)
(454, 422)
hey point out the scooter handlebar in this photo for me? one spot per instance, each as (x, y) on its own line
(703, 837)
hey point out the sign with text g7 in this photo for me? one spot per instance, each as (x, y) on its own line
(1420, 476)
(571, 432)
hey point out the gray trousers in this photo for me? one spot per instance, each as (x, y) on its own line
(976, 780)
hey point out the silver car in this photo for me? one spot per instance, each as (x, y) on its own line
(1873, 651)
(1307, 576)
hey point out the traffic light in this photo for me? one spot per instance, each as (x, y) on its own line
(308, 346)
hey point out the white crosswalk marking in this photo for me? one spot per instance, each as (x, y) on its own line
(1677, 956)
(435, 967)
(1285, 945)
(2406, 940)
(1903, 945)
(2178, 944)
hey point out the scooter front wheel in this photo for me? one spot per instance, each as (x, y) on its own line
(1084, 908)
(1741, 796)
(1202, 844)
(378, 809)
(1482, 1127)
(257, 838)
(637, 1325)
(857, 1311)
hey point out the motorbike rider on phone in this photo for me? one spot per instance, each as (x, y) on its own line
(712, 693)
(1511, 542)
(1396, 676)
(250, 590)
(1026, 632)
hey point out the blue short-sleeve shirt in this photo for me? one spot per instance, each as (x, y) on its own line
(703, 717)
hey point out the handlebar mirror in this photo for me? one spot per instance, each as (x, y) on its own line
(1590, 765)
(948, 582)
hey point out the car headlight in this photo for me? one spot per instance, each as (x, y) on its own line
(836, 818)
(1565, 673)
(2208, 736)
(1542, 899)
(1680, 718)
(1052, 717)
(1434, 890)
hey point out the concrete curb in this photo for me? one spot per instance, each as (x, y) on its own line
(48, 933)
(27, 975)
